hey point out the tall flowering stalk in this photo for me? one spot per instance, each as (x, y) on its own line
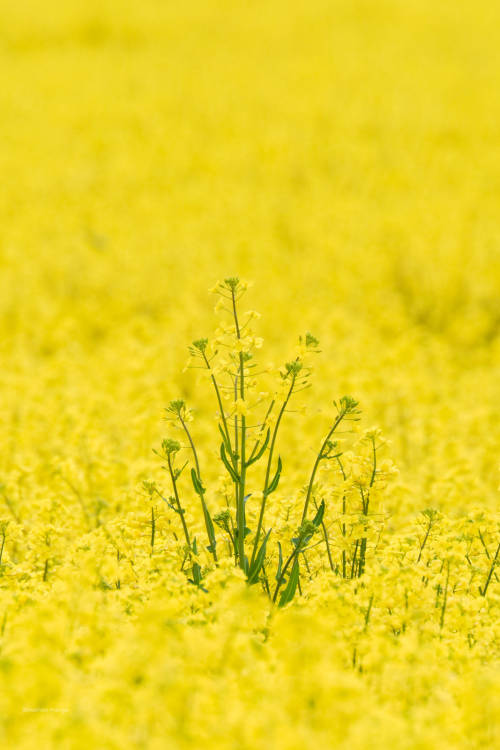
(249, 433)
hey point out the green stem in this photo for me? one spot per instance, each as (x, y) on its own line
(374, 472)
(153, 528)
(343, 526)
(428, 531)
(262, 428)
(327, 542)
(492, 567)
(362, 557)
(353, 566)
(219, 400)
(344, 556)
(320, 455)
(445, 597)
(268, 467)
(366, 502)
(236, 438)
(285, 568)
(191, 443)
(240, 514)
(178, 502)
(204, 507)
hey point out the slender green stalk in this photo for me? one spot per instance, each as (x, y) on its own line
(2, 547)
(362, 557)
(178, 502)
(225, 426)
(153, 528)
(236, 435)
(366, 502)
(283, 572)
(191, 443)
(353, 566)
(343, 526)
(422, 546)
(206, 512)
(262, 428)
(368, 611)
(327, 542)
(342, 413)
(483, 590)
(236, 459)
(268, 467)
(200, 346)
(374, 472)
(484, 544)
(301, 542)
(219, 400)
(445, 597)
(232, 533)
(344, 556)
(240, 500)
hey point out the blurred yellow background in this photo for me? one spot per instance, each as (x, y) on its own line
(344, 156)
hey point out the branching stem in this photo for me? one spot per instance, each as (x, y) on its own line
(268, 467)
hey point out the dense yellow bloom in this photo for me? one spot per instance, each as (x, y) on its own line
(345, 157)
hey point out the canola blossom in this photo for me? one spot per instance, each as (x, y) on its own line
(265, 514)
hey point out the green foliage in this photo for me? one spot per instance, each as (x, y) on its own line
(241, 449)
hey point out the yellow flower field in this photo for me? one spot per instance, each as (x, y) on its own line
(343, 157)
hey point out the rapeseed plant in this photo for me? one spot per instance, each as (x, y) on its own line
(248, 429)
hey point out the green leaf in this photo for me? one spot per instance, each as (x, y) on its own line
(199, 488)
(210, 529)
(275, 480)
(255, 568)
(227, 445)
(226, 463)
(261, 450)
(246, 532)
(178, 472)
(318, 518)
(196, 574)
(291, 586)
(280, 562)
